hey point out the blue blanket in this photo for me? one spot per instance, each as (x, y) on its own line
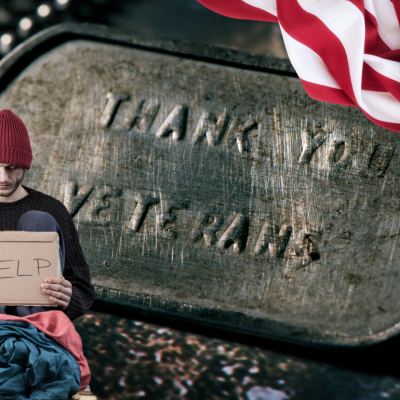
(34, 366)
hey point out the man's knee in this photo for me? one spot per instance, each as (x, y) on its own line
(37, 221)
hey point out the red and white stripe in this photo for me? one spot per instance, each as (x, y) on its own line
(344, 51)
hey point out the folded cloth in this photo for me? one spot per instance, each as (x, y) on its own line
(34, 366)
(58, 327)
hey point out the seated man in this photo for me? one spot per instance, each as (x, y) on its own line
(23, 208)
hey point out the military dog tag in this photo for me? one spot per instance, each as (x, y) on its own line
(206, 185)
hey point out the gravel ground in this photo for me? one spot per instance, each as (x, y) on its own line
(135, 360)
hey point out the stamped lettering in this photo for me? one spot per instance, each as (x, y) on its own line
(276, 241)
(101, 202)
(236, 234)
(211, 128)
(341, 153)
(175, 124)
(238, 131)
(139, 115)
(143, 203)
(207, 225)
(380, 159)
(166, 216)
(142, 116)
(310, 142)
(73, 200)
(113, 101)
(306, 249)
(271, 242)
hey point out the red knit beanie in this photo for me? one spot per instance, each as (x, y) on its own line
(15, 148)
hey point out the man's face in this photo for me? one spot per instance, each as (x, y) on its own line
(11, 177)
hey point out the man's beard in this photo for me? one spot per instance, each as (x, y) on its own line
(15, 186)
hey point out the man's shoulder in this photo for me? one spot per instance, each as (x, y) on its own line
(44, 202)
(47, 201)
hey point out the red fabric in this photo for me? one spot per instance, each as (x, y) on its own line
(358, 3)
(396, 5)
(302, 27)
(381, 80)
(58, 326)
(238, 9)
(373, 43)
(15, 147)
(392, 55)
(327, 95)
(387, 125)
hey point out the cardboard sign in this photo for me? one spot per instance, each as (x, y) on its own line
(26, 260)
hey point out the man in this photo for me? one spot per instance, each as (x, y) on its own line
(23, 208)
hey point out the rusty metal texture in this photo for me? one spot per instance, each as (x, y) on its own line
(206, 185)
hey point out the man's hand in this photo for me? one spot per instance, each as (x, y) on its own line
(59, 290)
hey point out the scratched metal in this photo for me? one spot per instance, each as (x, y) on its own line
(214, 192)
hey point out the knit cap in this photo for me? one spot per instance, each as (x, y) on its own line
(15, 147)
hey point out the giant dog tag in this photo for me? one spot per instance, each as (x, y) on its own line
(206, 185)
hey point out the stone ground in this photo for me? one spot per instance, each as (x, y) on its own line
(135, 360)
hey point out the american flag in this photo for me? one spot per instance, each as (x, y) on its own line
(344, 51)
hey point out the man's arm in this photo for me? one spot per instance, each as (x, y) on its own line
(75, 294)
(78, 274)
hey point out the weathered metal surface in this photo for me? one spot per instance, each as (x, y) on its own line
(214, 192)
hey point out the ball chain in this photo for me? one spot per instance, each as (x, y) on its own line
(20, 19)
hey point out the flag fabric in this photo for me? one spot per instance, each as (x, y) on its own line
(345, 52)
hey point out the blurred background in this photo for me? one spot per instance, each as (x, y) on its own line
(180, 19)
(134, 356)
